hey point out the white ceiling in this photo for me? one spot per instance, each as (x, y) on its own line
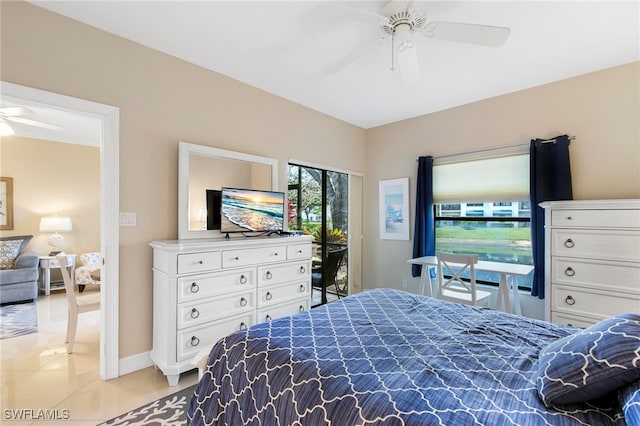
(285, 47)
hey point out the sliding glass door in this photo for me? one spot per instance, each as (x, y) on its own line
(318, 206)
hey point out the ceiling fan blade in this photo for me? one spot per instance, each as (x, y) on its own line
(14, 111)
(34, 123)
(484, 35)
(352, 56)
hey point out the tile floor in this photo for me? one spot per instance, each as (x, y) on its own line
(37, 374)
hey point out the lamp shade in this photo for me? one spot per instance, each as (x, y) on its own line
(55, 224)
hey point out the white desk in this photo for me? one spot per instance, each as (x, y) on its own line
(508, 273)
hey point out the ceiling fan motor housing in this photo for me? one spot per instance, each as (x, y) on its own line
(413, 18)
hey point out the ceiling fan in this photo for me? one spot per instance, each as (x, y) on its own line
(400, 22)
(15, 114)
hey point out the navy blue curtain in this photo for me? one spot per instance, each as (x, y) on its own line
(424, 235)
(550, 179)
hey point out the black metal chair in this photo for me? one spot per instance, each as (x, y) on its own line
(334, 260)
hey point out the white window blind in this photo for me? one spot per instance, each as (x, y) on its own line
(489, 179)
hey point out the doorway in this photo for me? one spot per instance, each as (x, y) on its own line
(319, 206)
(109, 206)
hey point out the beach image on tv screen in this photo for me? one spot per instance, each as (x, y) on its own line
(250, 210)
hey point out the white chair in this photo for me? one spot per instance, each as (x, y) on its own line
(77, 303)
(452, 287)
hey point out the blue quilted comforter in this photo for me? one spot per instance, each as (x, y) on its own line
(386, 357)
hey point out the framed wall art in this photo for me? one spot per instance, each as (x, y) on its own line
(6, 203)
(394, 209)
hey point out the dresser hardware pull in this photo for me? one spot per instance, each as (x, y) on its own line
(243, 326)
(195, 287)
(269, 275)
(243, 279)
(195, 341)
(268, 296)
(569, 243)
(570, 300)
(299, 251)
(194, 313)
(200, 262)
(569, 271)
(267, 318)
(301, 309)
(569, 218)
(243, 302)
(302, 288)
(302, 270)
(236, 258)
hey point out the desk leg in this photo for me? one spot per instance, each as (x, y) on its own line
(425, 282)
(46, 278)
(511, 281)
(503, 294)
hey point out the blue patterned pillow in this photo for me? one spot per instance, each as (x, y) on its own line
(590, 363)
(630, 402)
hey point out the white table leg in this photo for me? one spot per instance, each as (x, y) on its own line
(47, 281)
(503, 294)
(511, 280)
(425, 282)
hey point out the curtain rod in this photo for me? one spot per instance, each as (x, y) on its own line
(503, 149)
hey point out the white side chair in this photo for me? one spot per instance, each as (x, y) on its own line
(454, 289)
(77, 303)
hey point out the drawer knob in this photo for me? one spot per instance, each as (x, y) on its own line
(267, 318)
(268, 296)
(303, 270)
(302, 288)
(569, 271)
(570, 301)
(275, 254)
(243, 279)
(569, 218)
(194, 287)
(569, 243)
(301, 309)
(269, 275)
(236, 258)
(299, 251)
(195, 341)
(243, 326)
(200, 262)
(194, 313)
(243, 302)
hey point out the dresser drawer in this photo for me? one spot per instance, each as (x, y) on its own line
(243, 257)
(198, 262)
(281, 273)
(191, 340)
(299, 251)
(190, 314)
(274, 295)
(615, 276)
(609, 245)
(572, 320)
(592, 303)
(279, 311)
(596, 218)
(198, 287)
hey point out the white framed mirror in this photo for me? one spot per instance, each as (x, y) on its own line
(202, 168)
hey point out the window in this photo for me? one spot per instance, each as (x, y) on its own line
(482, 207)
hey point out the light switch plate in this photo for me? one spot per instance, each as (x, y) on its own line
(127, 219)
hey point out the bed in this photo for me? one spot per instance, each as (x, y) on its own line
(388, 357)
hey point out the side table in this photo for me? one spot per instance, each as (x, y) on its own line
(47, 263)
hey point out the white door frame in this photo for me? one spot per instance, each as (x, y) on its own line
(109, 207)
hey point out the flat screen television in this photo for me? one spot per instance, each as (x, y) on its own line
(249, 210)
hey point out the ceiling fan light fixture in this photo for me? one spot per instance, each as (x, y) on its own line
(407, 54)
(5, 129)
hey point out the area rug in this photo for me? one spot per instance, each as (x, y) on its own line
(18, 319)
(168, 411)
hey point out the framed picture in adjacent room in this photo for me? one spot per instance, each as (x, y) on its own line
(6, 203)
(394, 209)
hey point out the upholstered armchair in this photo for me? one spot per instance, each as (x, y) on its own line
(89, 270)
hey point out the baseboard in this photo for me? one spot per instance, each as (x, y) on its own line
(134, 363)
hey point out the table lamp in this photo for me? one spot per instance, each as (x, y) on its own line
(55, 224)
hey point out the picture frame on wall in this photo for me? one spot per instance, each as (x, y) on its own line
(393, 199)
(6, 203)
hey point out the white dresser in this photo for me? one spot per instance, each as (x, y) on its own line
(592, 260)
(204, 290)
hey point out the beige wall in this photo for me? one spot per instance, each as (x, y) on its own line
(162, 100)
(53, 178)
(601, 110)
